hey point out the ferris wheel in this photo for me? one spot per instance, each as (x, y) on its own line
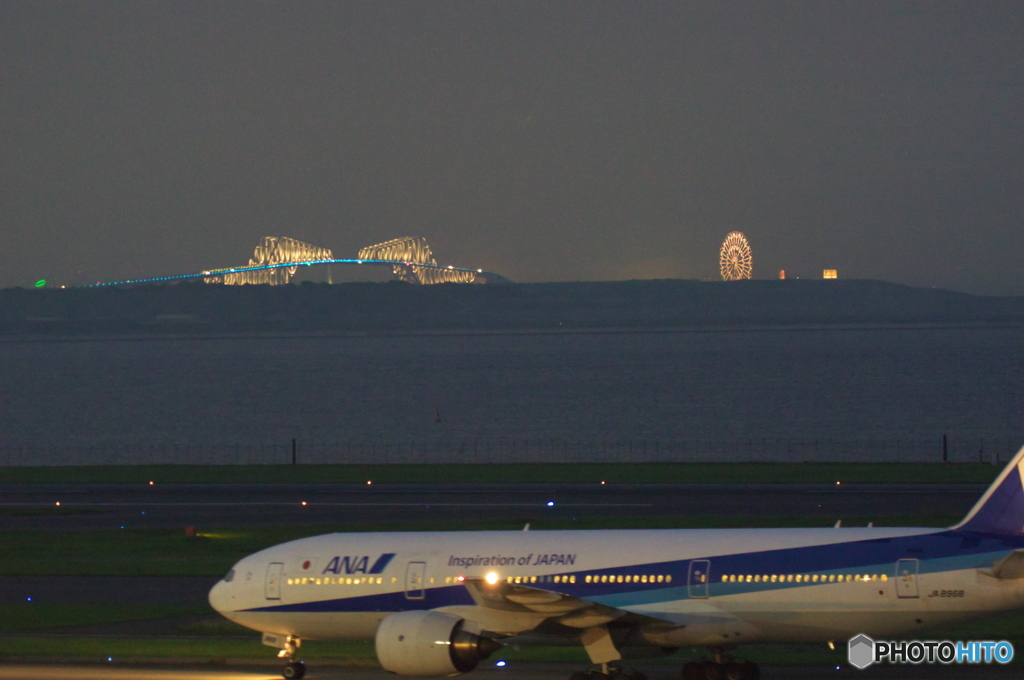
(735, 259)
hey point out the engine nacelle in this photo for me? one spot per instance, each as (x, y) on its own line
(429, 643)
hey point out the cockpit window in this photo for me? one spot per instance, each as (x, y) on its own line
(229, 576)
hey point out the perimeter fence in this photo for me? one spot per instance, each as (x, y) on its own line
(937, 449)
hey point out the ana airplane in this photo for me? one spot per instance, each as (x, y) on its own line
(438, 603)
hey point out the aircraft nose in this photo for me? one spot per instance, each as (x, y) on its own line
(219, 597)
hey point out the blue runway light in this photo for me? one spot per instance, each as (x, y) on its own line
(500, 664)
(551, 504)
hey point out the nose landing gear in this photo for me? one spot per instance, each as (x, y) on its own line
(289, 646)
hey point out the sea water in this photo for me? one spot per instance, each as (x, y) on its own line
(728, 386)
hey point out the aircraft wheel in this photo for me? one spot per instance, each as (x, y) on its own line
(294, 670)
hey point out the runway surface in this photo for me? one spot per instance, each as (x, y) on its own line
(525, 672)
(88, 506)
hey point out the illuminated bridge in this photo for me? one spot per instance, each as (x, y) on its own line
(418, 263)
(277, 259)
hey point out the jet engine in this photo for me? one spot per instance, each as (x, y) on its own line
(429, 643)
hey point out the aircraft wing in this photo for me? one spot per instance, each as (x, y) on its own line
(513, 609)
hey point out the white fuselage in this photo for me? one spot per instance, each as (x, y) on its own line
(702, 587)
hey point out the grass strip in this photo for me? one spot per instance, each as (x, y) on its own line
(31, 617)
(538, 473)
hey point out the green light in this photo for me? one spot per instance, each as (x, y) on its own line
(40, 283)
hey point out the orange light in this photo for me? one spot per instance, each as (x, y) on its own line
(58, 502)
(303, 502)
(151, 483)
(368, 482)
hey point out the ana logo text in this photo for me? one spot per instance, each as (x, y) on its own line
(357, 564)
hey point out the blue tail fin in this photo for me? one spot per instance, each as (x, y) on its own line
(1001, 509)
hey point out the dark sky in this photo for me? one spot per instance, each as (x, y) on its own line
(548, 141)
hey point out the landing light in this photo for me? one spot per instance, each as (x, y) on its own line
(491, 578)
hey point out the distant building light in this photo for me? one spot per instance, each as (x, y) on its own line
(782, 274)
(830, 274)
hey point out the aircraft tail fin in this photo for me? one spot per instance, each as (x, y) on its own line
(1001, 509)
